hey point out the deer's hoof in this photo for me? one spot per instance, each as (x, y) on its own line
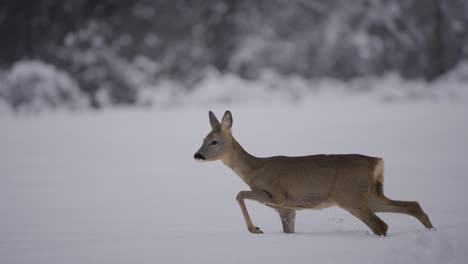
(382, 233)
(255, 230)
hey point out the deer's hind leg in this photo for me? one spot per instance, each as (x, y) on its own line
(377, 225)
(380, 203)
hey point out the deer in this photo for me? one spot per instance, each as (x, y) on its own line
(352, 182)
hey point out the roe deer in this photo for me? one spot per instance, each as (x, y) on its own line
(350, 181)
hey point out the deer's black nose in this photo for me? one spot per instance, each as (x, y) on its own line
(198, 156)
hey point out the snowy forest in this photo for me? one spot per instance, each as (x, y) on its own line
(94, 54)
(104, 106)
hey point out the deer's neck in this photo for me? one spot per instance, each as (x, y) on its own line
(241, 162)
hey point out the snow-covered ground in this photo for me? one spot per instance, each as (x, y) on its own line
(121, 186)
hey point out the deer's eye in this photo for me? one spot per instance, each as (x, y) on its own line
(214, 142)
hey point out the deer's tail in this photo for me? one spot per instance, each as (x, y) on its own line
(376, 185)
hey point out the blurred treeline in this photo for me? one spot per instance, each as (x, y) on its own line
(120, 45)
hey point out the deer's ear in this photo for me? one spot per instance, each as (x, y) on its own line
(226, 123)
(213, 121)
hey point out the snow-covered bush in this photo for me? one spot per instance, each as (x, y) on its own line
(34, 86)
(458, 74)
(217, 88)
(4, 108)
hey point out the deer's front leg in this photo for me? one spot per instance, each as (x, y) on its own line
(259, 196)
(288, 219)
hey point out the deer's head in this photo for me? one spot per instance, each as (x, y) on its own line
(218, 141)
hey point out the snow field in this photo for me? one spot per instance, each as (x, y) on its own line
(121, 186)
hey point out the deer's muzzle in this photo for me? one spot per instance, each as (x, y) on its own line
(198, 156)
